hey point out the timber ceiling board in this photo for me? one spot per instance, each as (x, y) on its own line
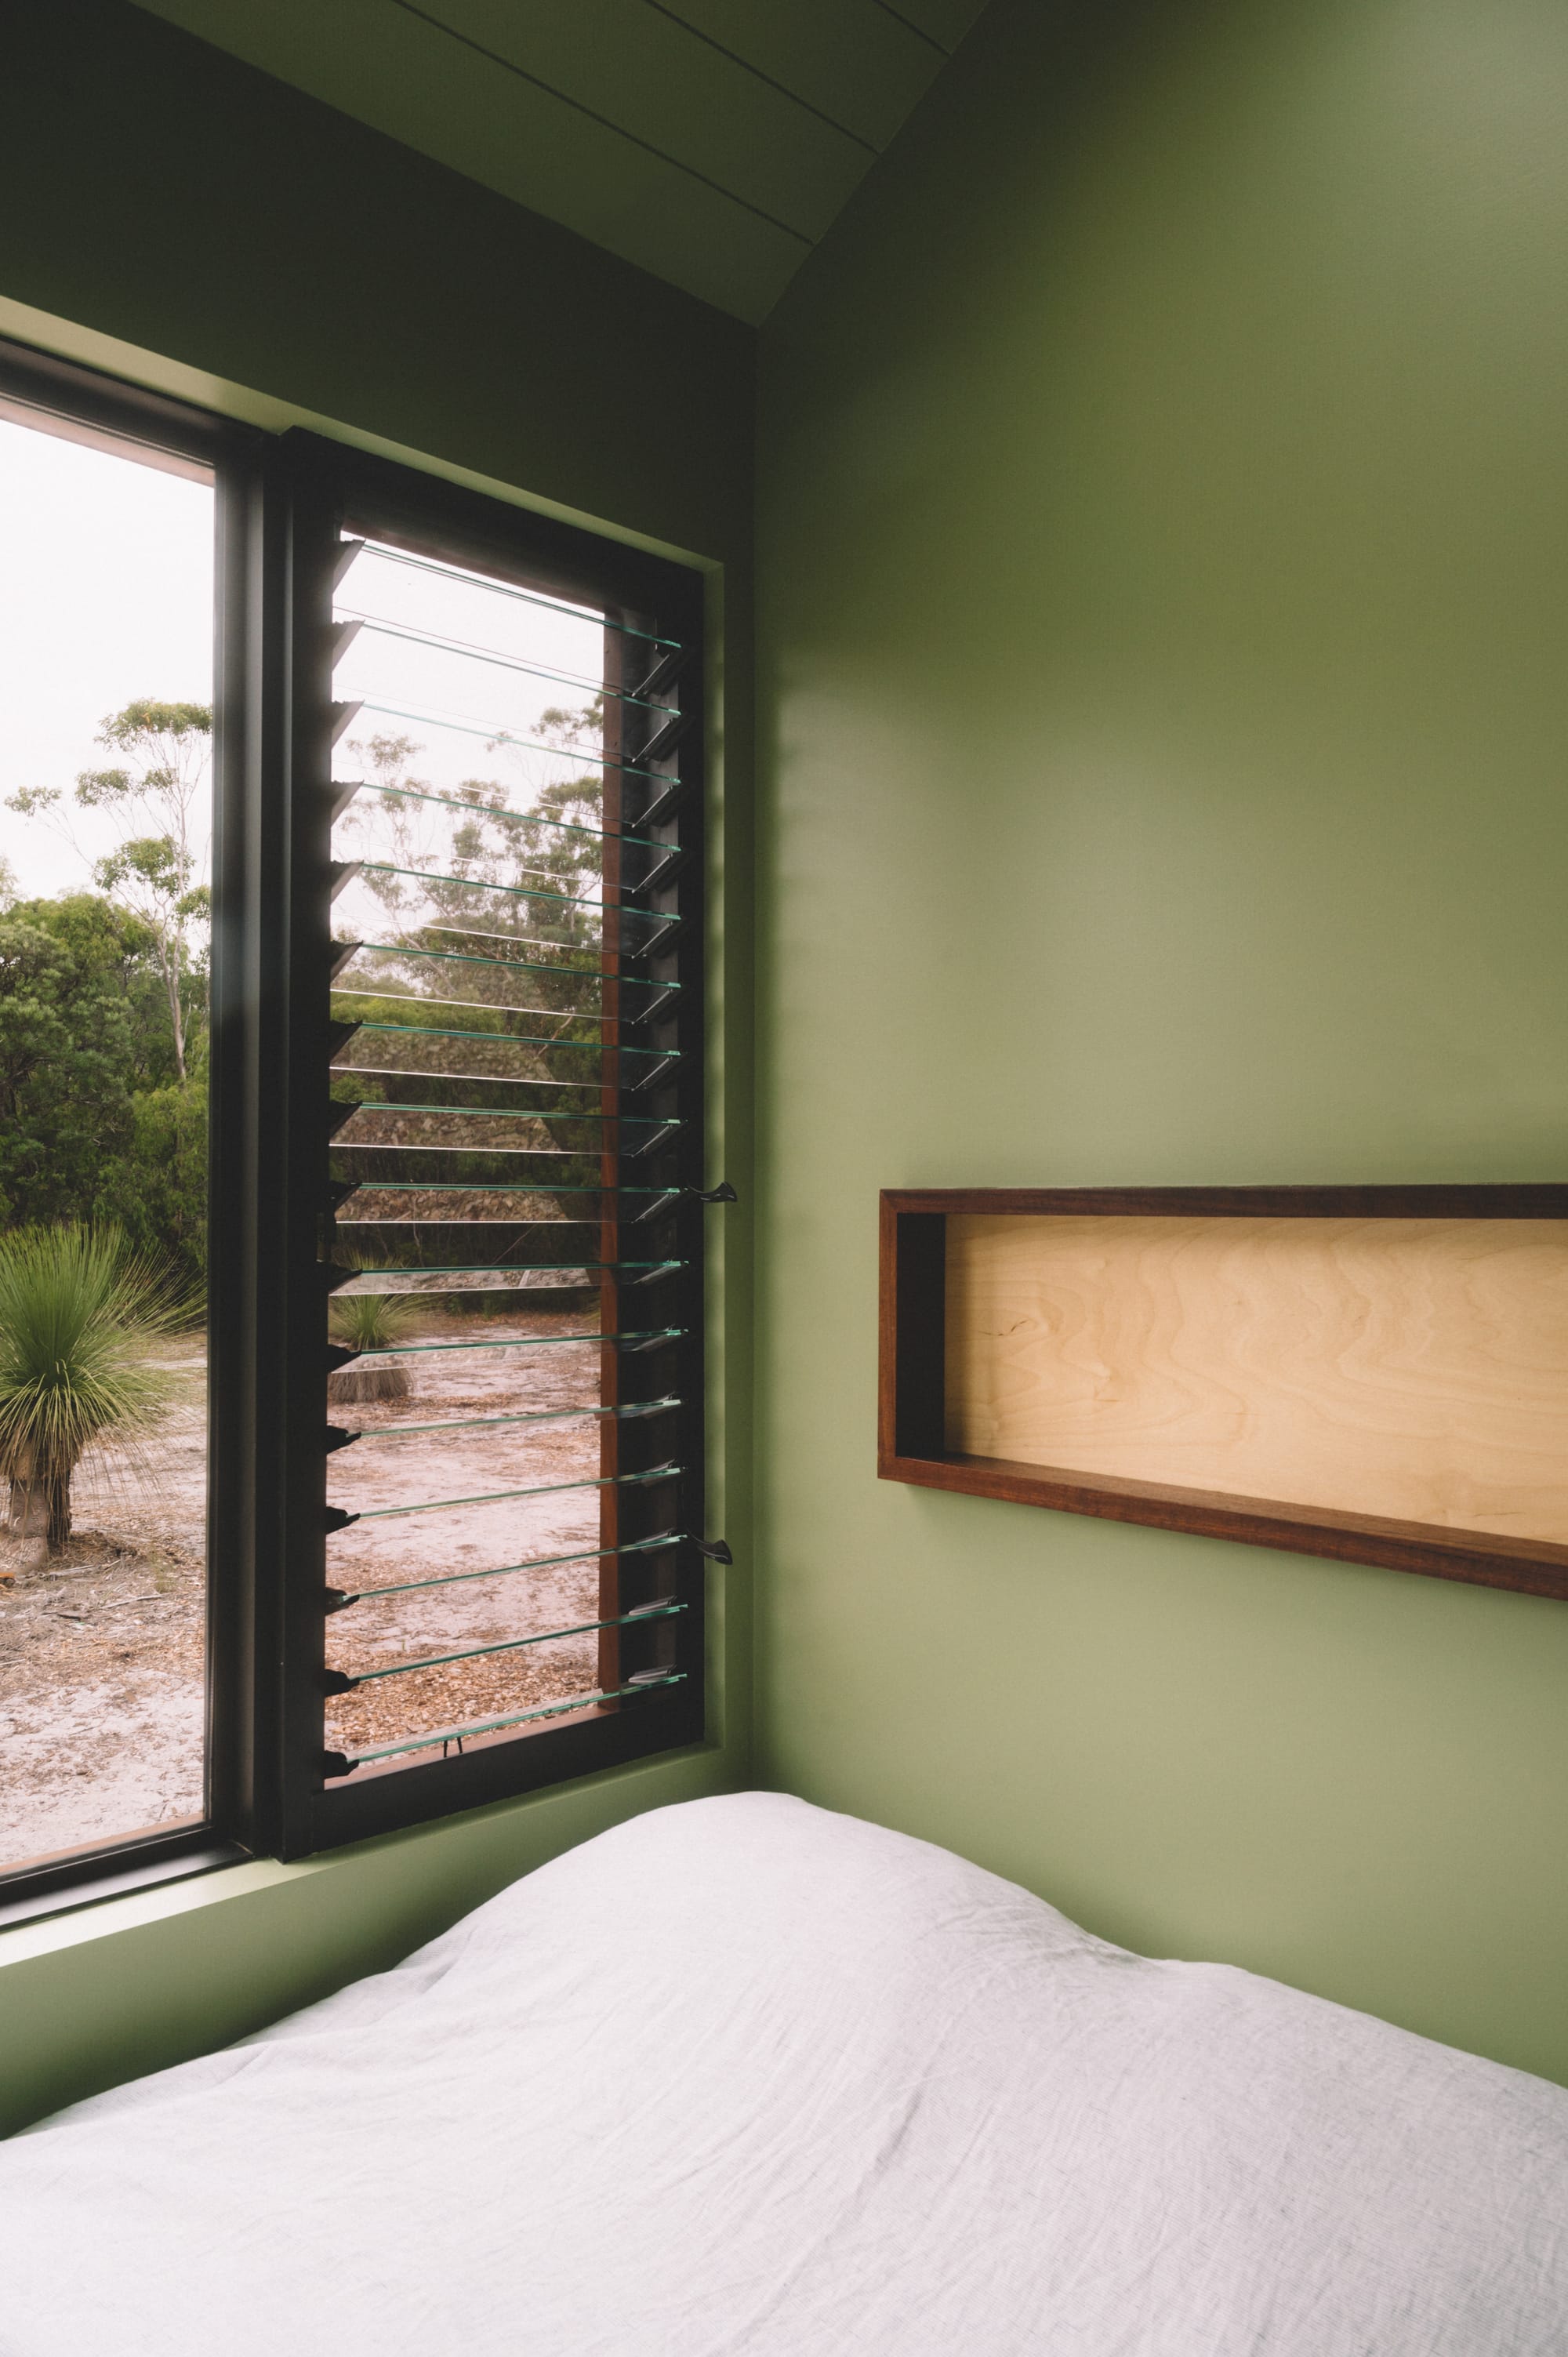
(713, 141)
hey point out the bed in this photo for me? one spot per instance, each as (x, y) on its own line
(743, 2076)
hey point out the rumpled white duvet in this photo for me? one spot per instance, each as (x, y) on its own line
(743, 2076)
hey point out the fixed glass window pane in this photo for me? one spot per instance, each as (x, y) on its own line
(105, 827)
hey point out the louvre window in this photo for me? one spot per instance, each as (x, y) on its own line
(458, 1194)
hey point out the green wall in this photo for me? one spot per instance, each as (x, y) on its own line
(1161, 582)
(169, 212)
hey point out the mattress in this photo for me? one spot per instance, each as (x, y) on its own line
(743, 2076)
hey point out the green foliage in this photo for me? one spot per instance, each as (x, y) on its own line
(94, 1122)
(78, 1312)
(67, 1055)
(159, 1193)
(369, 1321)
(145, 721)
(104, 1045)
(373, 1322)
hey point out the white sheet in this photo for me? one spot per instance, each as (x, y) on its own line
(742, 2076)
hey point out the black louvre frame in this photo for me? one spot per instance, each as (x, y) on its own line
(282, 504)
(652, 765)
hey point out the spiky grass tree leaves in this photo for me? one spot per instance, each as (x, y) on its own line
(79, 1313)
(369, 1321)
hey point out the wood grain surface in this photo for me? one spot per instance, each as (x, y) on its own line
(1410, 1369)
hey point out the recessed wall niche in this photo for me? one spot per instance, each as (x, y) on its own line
(1377, 1374)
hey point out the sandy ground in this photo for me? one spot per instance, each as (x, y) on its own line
(385, 1469)
(100, 1654)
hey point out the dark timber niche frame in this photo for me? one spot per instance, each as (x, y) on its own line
(914, 1411)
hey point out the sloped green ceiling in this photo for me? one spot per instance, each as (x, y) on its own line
(711, 142)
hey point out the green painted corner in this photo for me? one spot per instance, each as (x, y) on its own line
(1162, 691)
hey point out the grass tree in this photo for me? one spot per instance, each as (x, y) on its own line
(79, 1316)
(369, 1321)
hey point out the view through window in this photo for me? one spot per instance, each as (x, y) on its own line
(106, 597)
(503, 1068)
(381, 953)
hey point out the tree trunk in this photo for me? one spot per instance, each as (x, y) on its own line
(346, 1386)
(56, 1502)
(39, 1496)
(170, 964)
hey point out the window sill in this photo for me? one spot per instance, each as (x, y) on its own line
(107, 1880)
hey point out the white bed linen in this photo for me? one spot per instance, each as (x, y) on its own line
(743, 2076)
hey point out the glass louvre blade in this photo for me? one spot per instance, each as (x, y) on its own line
(658, 1611)
(500, 1497)
(524, 1342)
(373, 1280)
(378, 961)
(395, 993)
(518, 1039)
(659, 1545)
(653, 1197)
(381, 628)
(491, 813)
(433, 877)
(522, 1150)
(490, 1220)
(466, 1284)
(459, 1735)
(567, 1277)
(369, 1108)
(551, 931)
(537, 1415)
(453, 735)
(492, 957)
(372, 555)
(476, 1153)
(462, 1072)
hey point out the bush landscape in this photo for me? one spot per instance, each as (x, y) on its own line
(103, 1176)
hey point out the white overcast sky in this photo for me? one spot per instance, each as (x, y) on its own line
(105, 594)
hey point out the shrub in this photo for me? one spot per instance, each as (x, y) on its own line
(78, 1312)
(369, 1321)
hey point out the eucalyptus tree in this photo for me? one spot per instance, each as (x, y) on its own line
(159, 789)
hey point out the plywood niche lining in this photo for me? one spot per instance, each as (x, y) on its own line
(1380, 1374)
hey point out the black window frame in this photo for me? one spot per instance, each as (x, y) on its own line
(282, 503)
